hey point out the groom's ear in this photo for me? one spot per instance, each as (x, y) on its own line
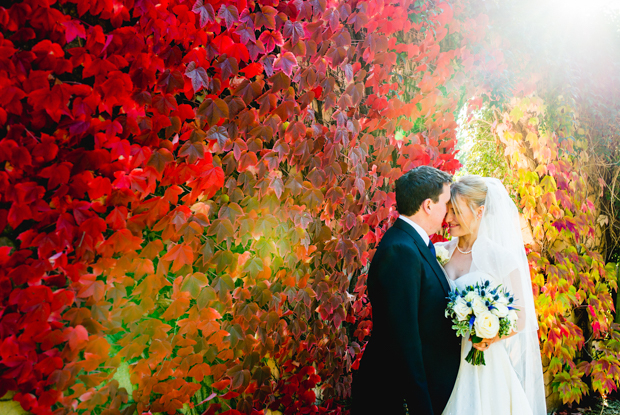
(426, 205)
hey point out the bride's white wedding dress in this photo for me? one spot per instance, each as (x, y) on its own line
(493, 389)
(511, 382)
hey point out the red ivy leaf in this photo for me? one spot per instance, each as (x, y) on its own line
(446, 15)
(73, 29)
(271, 39)
(215, 180)
(228, 66)
(293, 30)
(238, 51)
(218, 133)
(246, 33)
(252, 70)
(265, 17)
(117, 218)
(193, 151)
(247, 159)
(213, 110)
(256, 49)
(165, 103)
(248, 90)
(160, 158)
(198, 76)
(57, 174)
(170, 81)
(230, 14)
(77, 336)
(206, 12)
(285, 62)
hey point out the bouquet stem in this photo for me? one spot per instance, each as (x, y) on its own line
(475, 356)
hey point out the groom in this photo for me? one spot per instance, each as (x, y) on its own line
(413, 354)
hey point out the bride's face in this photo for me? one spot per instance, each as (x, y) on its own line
(465, 223)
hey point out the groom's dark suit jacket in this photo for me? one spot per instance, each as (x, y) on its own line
(413, 353)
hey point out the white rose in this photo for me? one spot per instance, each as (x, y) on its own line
(503, 299)
(470, 296)
(443, 255)
(486, 325)
(478, 306)
(461, 309)
(500, 310)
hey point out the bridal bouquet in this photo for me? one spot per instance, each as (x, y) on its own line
(484, 312)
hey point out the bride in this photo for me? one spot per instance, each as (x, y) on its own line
(487, 244)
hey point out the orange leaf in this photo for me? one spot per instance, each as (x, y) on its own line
(91, 287)
(198, 372)
(222, 384)
(247, 159)
(176, 309)
(150, 285)
(181, 255)
(77, 336)
(160, 349)
(210, 314)
(116, 218)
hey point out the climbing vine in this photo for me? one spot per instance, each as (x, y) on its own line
(190, 193)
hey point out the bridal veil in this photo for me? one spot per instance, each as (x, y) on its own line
(499, 252)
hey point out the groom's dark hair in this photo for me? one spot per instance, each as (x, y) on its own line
(417, 185)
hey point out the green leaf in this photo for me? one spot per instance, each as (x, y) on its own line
(193, 283)
(235, 335)
(254, 266)
(122, 376)
(207, 295)
(516, 114)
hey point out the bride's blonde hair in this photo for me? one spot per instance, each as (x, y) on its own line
(471, 189)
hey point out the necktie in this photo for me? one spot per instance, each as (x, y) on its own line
(431, 247)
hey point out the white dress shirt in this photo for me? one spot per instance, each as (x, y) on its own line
(418, 229)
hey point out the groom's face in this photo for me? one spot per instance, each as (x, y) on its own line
(438, 210)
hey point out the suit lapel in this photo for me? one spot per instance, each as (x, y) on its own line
(426, 253)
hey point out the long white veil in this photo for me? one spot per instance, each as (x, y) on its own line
(499, 252)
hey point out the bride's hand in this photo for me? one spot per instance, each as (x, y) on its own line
(485, 343)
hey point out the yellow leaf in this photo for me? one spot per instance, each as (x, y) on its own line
(516, 114)
(274, 369)
(532, 139)
(11, 407)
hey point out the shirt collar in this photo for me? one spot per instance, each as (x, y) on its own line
(418, 229)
